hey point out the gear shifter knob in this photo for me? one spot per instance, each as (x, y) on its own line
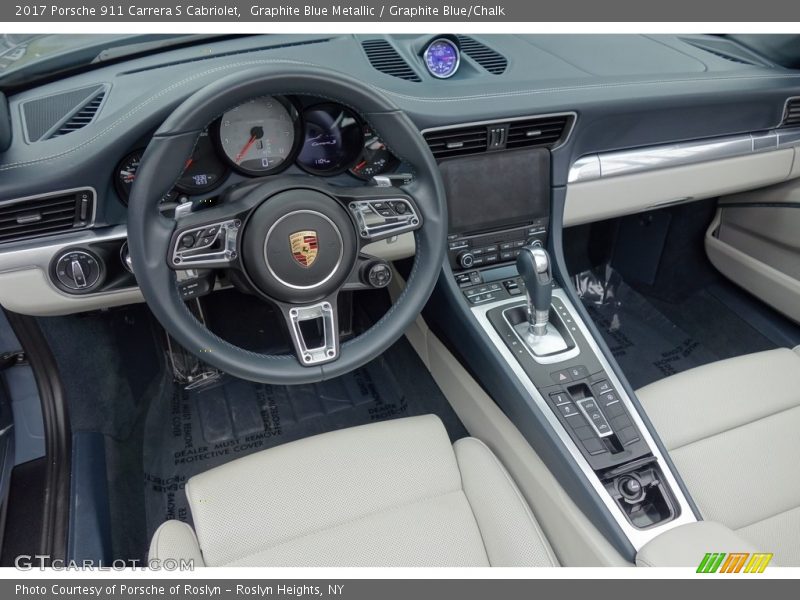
(533, 264)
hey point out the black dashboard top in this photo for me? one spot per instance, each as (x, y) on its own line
(626, 91)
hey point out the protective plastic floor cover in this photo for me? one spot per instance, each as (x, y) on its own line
(647, 345)
(194, 431)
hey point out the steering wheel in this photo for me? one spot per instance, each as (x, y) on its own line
(296, 241)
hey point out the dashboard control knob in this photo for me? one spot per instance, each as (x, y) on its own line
(78, 270)
(466, 260)
(378, 275)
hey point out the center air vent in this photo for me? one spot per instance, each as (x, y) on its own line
(489, 59)
(46, 214)
(791, 114)
(60, 114)
(545, 132)
(386, 59)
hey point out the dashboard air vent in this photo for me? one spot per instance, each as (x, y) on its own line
(58, 114)
(791, 114)
(545, 132)
(458, 141)
(489, 59)
(45, 215)
(383, 57)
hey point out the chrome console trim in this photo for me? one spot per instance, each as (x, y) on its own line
(34, 254)
(637, 537)
(627, 162)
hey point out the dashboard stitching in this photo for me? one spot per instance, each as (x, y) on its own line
(574, 88)
(178, 84)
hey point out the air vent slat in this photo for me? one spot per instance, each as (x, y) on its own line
(546, 132)
(45, 215)
(40, 215)
(491, 60)
(26, 207)
(57, 223)
(386, 59)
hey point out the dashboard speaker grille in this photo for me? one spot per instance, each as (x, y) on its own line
(791, 115)
(546, 132)
(45, 215)
(45, 117)
(83, 117)
(386, 59)
(489, 59)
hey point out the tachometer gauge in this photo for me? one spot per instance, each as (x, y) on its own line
(442, 58)
(332, 139)
(375, 157)
(203, 171)
(259, 137)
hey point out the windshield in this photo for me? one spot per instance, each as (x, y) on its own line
(20, 50)
(25, 58)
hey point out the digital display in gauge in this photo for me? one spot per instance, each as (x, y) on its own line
(375, 157)
(258, 137)
(332, 140)
(203, 171)
(442, 58)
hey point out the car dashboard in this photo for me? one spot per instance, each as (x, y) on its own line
(606, 109)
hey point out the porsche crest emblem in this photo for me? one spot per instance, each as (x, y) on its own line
(305, 246)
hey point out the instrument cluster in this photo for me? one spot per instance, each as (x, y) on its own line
(267, 135)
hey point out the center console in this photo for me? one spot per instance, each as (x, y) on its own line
(499, 235)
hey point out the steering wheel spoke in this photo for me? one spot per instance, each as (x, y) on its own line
(314, 330)
(212, 245)
(383, 216)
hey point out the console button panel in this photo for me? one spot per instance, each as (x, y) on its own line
(470, 251)
(577, 390)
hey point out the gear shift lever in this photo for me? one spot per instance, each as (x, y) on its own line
(533, 264)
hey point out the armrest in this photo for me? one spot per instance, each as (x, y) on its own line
(686, 545)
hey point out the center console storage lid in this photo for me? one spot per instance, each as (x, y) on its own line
(686, 545)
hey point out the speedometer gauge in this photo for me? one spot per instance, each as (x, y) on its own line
(259, 137)
(442, 58)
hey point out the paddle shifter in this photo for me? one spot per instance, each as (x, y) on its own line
(533, 264)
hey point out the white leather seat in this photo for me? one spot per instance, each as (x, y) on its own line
(732, 429)
(394, 493)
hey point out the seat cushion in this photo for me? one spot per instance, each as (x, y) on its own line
(732, 429)
(394, 493)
